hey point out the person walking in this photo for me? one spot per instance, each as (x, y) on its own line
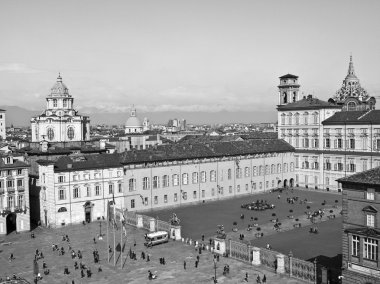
(264, 279)
(184, 264)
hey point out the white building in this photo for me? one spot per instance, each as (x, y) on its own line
(60, 122)
(2, 124)
(14, 195)
(332, 139)
(73, 191)
(133, 124)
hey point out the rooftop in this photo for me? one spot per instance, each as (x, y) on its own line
(171, 152)
(290, 76)
(371, 177)
(307, 103)
(354, 117)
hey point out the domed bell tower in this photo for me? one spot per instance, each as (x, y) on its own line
(288, 90)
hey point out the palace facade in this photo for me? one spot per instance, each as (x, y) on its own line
(361, 227)
(60, 122)
(14, 195)
(332, 139)
(76, 190)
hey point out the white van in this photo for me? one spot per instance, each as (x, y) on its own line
(156, 238)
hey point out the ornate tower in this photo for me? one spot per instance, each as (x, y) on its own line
(288, 90)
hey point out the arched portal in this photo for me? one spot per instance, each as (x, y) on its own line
(285, 183)
(88, 211)
(11, 223)
(291, 182)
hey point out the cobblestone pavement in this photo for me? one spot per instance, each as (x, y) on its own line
(134, 271)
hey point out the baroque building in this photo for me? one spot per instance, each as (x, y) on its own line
(60, 122)
(76, 190)
(333, 139)
(361, 227)
(133, 124)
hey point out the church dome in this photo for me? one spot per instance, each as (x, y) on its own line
(59, 89)
(133, 121)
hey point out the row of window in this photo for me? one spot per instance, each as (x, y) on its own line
(64, 103)
(11, 183)
(11, 173)
(87, 176)
(298, 118)
(370, 247)
(87, 191)
(11, 201)
(185, 178)
(219, 191)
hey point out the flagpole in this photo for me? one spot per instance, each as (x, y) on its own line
(108, 223)
(114, 237)
(121, 236)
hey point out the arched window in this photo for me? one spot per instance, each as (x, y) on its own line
(351, 106)
(70, 133)
(54, 103)
(50, 134)
(297, 118)
(290, 116)
(62, 209)
(165, 181)
(273, 169)
(284, 97)
(212, 175)
(261, 170)
(315, 118)
(145, 183)
(278, 168)
(175, 180)
(185, 179)
(229, 174)
(283, 119)
(305, 118)
(156, 182)
(64, 103)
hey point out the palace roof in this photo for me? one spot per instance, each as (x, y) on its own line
(171, 152)
(307, 103)
(371, 177)
(353, 117)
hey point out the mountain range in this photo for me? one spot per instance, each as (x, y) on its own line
(18, 116)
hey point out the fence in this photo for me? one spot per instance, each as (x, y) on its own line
(130, 218)
(163, 226)
(240, 251)
(294, 267)
(146, 222)
(269, 258)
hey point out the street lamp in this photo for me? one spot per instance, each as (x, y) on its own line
(215, 281)
(100, 230)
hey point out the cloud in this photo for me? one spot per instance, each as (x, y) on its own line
(18, 68)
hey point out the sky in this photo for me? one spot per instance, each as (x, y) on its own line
(184, 56)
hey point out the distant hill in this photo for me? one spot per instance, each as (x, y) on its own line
(19, 116)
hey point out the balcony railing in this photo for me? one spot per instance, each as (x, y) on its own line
(21, 189)
(11, 189)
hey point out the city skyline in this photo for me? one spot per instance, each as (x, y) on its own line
(215, 56)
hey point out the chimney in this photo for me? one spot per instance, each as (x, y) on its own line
(309, 97)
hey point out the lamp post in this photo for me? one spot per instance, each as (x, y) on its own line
(215, 281)
(100, 230)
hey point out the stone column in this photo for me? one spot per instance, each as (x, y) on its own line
(256, 256)
(175, 233)
(280, 263)
(152, 224)
(139, 223)
(290, 264)
(220, 246)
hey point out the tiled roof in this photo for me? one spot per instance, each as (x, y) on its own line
(183, 151)
(16, 164)
(370, 232)
(307, 103)
(171, 153)
(371, 176)
(354, 117)
(260, 135)
(101, 161)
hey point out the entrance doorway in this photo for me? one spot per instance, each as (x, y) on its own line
(285, 183)
(87, 211)
(291, 181)
(11, 223)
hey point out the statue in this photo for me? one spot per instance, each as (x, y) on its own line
(174, 220)
(220, 233)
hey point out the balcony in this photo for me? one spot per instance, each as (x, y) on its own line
(20, 189)
(11, 190)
